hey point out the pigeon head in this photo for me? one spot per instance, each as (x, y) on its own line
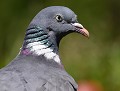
(58, 21)
(46, 30)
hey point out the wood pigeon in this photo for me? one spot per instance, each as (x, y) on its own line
(38, 67)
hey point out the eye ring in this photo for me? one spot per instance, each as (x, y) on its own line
(59, 18)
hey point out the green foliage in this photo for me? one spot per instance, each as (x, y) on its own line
(97, 58)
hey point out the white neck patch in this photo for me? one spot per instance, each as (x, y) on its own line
(40, 49)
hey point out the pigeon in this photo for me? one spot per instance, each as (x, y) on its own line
(38, 67)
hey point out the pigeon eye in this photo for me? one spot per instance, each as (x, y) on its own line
(59, 18)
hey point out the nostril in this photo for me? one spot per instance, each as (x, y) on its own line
(78, 25)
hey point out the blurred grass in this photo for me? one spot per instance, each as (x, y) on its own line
(97, 58)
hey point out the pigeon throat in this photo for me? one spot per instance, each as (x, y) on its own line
(37, 43)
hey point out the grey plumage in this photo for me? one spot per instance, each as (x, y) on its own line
(38, 67)
(22, 75)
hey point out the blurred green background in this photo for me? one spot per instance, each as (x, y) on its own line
(97, 58)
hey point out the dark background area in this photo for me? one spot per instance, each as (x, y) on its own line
(97, 58)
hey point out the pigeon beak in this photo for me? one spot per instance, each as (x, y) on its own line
(80, 29)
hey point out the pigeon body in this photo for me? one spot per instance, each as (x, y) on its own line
(38, 66)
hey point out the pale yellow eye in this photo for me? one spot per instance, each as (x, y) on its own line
(59, 18)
